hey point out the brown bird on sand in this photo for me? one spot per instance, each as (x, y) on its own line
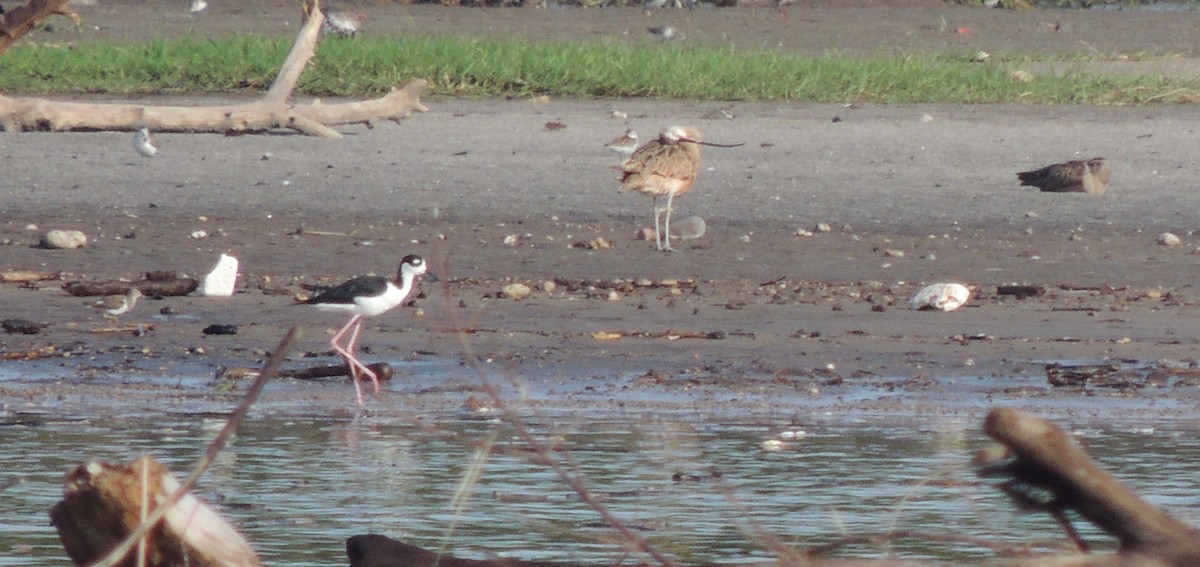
(625, 144)
(116, 305)
(665, 166)
(1091, 176)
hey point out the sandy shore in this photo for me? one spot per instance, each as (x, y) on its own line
(912, 194)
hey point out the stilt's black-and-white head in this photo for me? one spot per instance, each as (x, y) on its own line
(410, 267)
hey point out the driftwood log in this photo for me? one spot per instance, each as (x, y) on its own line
(383, 371)
(150, 288)
(102, 504)
(20, 20)
(1047, 471)
(140, 515)
(273, 111)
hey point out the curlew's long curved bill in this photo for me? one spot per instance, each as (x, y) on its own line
(711, 144)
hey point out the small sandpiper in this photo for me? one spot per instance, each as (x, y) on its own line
(116, 305)
(341, 23)
(1091, 176)
(625, 144)
(145, 143)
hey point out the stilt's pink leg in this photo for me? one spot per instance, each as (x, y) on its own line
(352, 347)
(352, 362)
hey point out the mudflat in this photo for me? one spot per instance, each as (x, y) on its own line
(820, 228)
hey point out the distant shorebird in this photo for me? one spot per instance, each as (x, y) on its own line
(625, 144)
(117, 305)
(665, 32)
(366, 296)
(145, 143)
(1091, 176)
(341, 23)
(198, 6)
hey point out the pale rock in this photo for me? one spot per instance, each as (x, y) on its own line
(517, 291)
(222, 280)
(690, 228)
(941, 297)
(64, 239)
(1168, 239)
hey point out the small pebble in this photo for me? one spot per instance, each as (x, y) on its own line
(217, 329)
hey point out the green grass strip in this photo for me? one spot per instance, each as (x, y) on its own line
(465, 67)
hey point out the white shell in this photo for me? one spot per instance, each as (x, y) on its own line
(221, 280)
(941, 296)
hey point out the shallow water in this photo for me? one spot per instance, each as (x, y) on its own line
(298, 487)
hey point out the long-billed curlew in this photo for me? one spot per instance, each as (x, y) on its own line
(366, 296)
(663, 166)
(1091, 176)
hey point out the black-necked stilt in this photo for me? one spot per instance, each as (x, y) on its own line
(117, 305)
(366, 296)
(145, 143)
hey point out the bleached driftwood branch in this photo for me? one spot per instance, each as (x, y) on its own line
(272, 111)
(19, 20)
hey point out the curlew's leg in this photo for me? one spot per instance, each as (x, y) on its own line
(667, 228)
(657, 232)
(353, 363)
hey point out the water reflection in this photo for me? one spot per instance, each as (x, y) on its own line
(298, 487)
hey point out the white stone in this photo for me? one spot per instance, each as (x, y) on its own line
(691, 227)
(221, 281)
(516, 290)
(941, 297)
(1168, 239)
(64, 239)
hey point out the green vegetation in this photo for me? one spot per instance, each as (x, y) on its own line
(465, 67)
